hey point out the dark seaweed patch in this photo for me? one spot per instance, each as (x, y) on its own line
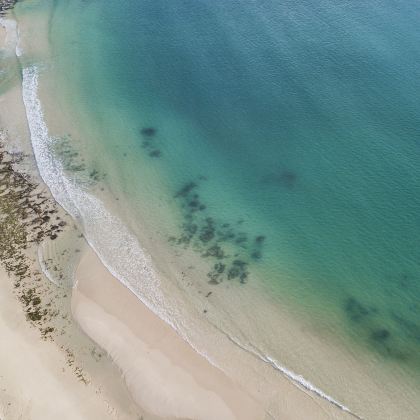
(285, 178)
(214, 251)
(260, 239)
(238, 270)
(288, 178)
(208, 231)
(241, 239)
(68, 156)
(72, 162)
(219, 267)
(225, 233)
(194, 204)
(382, 341)
(355, 310)
(94, 174)
(148, 131)
(186, 189)
(155, 153)
(404, 281)
(214, 239)
(149, 142)
(257, 248)
(216, 273)
(380, 334)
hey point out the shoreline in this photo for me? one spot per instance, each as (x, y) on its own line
(49, 367)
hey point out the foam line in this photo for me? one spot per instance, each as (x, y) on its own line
(297, 379)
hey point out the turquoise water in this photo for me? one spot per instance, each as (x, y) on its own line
(286, 137)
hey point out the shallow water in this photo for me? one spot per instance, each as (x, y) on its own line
(279, 142)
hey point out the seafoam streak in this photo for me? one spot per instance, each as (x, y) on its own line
(297, 379)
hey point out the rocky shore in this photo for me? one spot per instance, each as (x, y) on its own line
(6, 5)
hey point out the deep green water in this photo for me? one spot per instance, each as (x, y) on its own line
(287, 133)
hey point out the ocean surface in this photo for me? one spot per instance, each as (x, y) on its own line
(271, 148)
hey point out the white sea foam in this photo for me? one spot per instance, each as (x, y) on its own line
(297, 379)
(300, 380)
(116, 246)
